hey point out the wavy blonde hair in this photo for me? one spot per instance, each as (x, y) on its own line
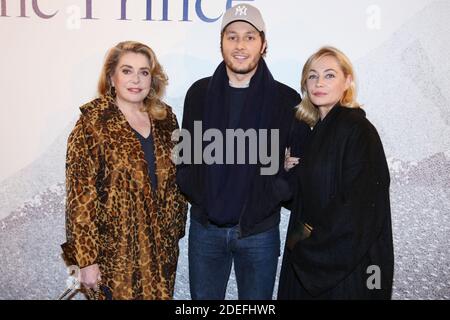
(306, 110)
(153, 102)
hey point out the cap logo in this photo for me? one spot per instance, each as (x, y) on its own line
(241, 11)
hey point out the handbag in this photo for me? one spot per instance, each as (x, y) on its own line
(91, 293)
(74, 284)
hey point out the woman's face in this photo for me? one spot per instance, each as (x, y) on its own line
(132, 78)
(326, 82)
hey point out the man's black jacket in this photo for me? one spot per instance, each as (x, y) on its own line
(261, 210)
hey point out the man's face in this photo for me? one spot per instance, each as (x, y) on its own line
(242, 47)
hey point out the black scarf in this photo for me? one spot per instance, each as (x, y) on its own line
(223, 180)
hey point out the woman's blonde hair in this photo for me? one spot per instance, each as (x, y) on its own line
(152, 103)
(306, 111)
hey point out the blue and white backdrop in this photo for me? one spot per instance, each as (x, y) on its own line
(51, 52)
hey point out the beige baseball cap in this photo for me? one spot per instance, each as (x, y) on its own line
(244, 12)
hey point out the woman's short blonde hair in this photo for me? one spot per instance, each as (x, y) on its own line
(153, 102)
(306, 111)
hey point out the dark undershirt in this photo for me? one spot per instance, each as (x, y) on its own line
(237, 100)
(149, 154)
(234, 196)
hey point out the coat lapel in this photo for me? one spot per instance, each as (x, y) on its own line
(163, 146)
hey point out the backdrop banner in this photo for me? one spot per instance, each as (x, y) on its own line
(51, 54)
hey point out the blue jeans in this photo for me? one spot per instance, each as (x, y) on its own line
(212, 251)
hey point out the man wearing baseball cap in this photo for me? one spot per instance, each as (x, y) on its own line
(235, 210)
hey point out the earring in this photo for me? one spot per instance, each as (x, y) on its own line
(112, 91)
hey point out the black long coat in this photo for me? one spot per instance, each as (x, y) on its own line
(342, 190)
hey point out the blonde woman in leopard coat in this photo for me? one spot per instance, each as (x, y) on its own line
(124, 212)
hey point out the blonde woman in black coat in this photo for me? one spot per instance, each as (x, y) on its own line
(339, 241)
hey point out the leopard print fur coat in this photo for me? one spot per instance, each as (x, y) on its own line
(113, 218)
